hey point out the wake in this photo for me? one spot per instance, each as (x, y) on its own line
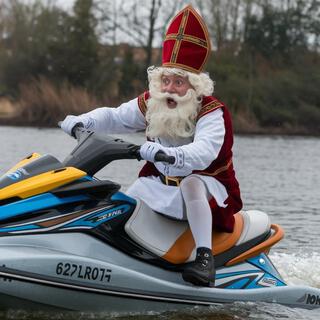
(298, 268)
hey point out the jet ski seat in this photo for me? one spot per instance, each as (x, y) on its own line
(172, 240)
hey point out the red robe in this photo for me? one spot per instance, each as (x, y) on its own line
(221, 168)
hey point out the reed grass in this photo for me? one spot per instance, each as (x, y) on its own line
(43, 103)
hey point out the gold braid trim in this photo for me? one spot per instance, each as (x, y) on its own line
(181, 66)
(213, 105)
(142, 104)
(195, 40)
(219, 170)
(178, 38)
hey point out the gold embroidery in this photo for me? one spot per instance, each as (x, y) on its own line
(195, 40)
(142, 104)
(179, 37)
(180, 65)
(219, 170)
(208, 108)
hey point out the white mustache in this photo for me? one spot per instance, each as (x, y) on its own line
(173, 123)
(163, 96)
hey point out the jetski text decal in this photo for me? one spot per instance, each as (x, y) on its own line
(310, 299)
(86, 219)
(313, 299)
(74, 270)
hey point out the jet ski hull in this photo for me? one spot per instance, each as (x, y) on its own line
(54, 276)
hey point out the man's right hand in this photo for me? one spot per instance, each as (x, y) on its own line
(149, 149)
(69, 123)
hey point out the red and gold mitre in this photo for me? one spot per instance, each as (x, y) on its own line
(186, 44)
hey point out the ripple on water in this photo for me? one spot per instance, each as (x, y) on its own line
(233, 311)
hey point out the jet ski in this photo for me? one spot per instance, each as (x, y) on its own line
(69, 241)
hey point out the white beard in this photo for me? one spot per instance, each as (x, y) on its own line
(179, 122)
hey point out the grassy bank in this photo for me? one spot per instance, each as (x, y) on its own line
(42, 104)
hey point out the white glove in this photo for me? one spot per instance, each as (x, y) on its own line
(149, 149)
(68, 124)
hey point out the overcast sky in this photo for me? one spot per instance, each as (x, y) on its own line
(65, 3)
(61, 3)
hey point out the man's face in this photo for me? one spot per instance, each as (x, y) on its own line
(174, 84)
(172, 107)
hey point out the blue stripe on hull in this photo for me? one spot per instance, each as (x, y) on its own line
(39, 202)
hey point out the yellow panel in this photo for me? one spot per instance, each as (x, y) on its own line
(41, 183)
(25, 161)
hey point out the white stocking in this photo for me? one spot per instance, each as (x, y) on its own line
(199, 214)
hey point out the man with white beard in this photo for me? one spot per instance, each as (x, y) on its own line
(182, 119)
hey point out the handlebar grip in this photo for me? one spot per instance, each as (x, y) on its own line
(163, 157)
(74, 131)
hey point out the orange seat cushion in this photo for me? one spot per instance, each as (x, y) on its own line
(181, 250)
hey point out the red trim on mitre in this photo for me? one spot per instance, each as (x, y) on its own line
(187, 43)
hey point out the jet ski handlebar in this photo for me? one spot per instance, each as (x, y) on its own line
(160, 156)
(77, 130)
(94, 151)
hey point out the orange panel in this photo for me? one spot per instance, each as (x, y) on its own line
(262, 247)
(222, 241)
(181, 249)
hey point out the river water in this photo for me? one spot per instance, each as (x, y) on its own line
(279, 175)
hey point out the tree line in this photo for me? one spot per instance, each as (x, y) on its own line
(265, 58)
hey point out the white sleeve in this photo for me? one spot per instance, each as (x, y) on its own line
(123, 119)
(207, 143)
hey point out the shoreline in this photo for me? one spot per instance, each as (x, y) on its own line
(243, 124)
(7, 121)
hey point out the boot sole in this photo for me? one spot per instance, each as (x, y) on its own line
(197, 280)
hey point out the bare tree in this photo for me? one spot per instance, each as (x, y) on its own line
(226, 20)
(139, 23)
(235, 12)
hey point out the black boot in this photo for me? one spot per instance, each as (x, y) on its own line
(201, 272)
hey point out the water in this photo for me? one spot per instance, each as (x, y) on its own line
(279, 175)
